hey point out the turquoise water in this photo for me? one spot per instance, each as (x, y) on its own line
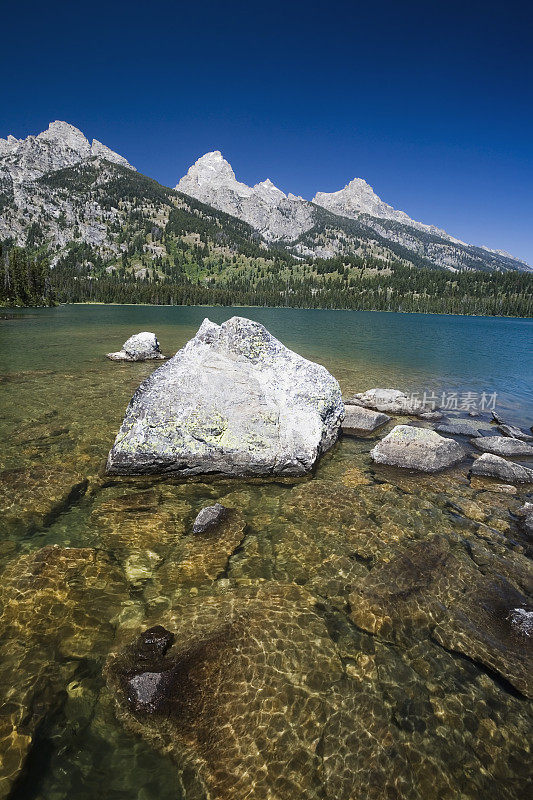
(414, 352)
(350, 691)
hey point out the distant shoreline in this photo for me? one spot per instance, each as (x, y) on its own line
(294, 308)
(287, 308)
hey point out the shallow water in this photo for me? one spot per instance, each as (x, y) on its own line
(407, 699)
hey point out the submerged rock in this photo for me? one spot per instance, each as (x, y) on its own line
(493, 466)
(515, 433)
(391, 400)
(57, 607)
(429, 587)
(360, 419)
(503, 446)
(254, 701)
(139, 347)
(417, 448)
(208, 518)
(234, 400)
(462, 427)
(526, 514)
(430, 416)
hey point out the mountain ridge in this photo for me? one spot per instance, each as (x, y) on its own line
(212, 179)
(36, 198)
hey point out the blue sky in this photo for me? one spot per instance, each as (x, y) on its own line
(431, 103)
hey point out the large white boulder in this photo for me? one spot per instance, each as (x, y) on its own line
(142, 346)
(234, 401)
(417, 448)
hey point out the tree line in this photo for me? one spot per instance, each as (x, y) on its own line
(335, 283)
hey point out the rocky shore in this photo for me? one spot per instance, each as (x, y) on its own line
(342, 610)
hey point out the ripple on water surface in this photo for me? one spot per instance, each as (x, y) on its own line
(348, 636)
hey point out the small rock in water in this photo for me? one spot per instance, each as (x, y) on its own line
(390, 400)
(139, 347)
(492, 466)
(526, 512)
(358, 418)
(209, 517)
(522, 621)
(503, 446)
(506, 488)
(515, 433)
(417, 448)
(431, 416)
(462, 427)
(155, 641)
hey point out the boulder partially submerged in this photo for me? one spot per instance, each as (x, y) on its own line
(358, 419)
(142, 346)
(233, 401)
(417, 448)
(492, 466)
(515, 433)
(463, 427)
(503, 446)
(393, 401)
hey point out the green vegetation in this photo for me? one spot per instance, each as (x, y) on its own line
(328, 284)
(155, 245)
(25, 279)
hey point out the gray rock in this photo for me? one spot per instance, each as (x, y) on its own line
(139, 347)
(234, 401)
(431, 416)
(503, 446)
(522, 620)
(515, 433)
(462, 427)
(208, 518)
(493, 466)
(145, 691)
(390, 400)
(360, 419)
(417, 448)
(526, 513)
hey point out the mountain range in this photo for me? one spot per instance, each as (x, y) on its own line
(63, 194)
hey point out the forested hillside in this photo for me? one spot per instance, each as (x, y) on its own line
(100, 232)
(333, 283)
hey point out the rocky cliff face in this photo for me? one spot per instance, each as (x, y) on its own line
(58, 189)
(381, 230)
(61, 145)
(359, 198)
(276, 216)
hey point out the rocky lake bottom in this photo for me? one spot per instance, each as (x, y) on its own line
(352, 634)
